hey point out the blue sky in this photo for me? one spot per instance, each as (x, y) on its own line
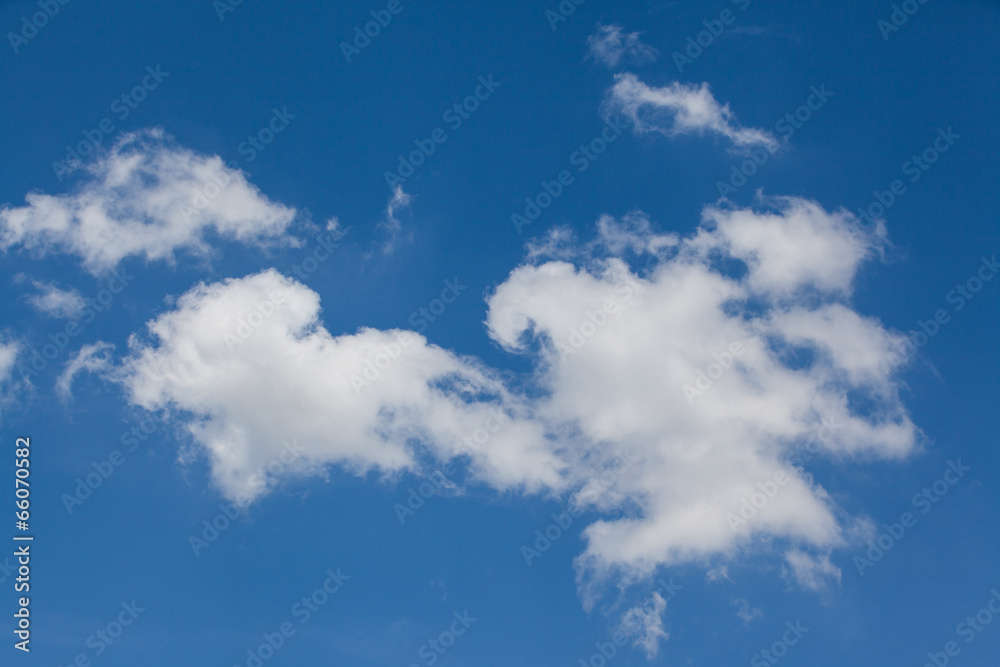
(263, 325)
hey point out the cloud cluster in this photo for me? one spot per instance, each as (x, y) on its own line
(146, 197)
(610, 45)
(680, 108)
(763, 328)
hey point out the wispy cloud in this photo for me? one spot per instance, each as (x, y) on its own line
(611, 46)
(678, 109)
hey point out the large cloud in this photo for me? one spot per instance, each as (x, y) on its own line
(680, 108)
(711, 368)
(145, 197)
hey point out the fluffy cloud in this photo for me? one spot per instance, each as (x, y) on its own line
(248, 365)
(611, 44)
(678, 109)
(146, 197)
(711, 368)
(55, 301)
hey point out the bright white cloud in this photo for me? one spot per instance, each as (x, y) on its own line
(54, 301)
(710, 367)
(680, 108)
(249, 364)
(146, 197)
(610, 45)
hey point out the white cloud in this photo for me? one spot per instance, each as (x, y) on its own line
(646, 625)
(55, 301)
(391, 224)
(812, 572)
(745, 612)
(611, 44)
(373, 400)
(677, 109)
(93, 358)
(765, 333)
(146, 197)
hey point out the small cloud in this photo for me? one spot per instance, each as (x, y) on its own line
(811, 572)
(645, 623)
(56, 302)
(610, 45)
(745, 611)
(680, 108)
(392, 225)
(717, 574)
(91, 358)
